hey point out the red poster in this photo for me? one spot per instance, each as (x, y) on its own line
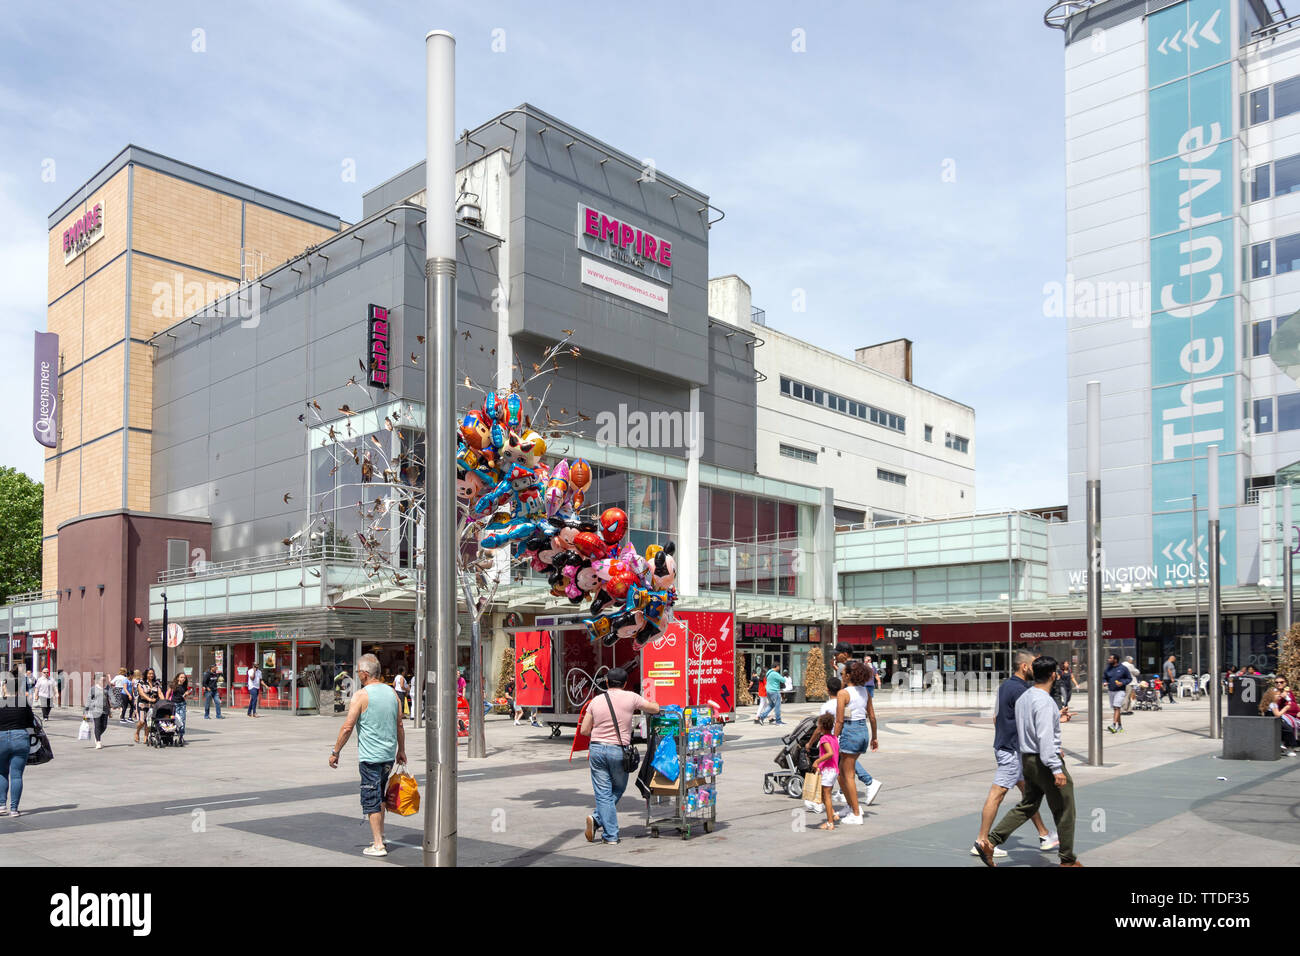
(581, 741)
(663, 667)
(711, 648)
(533, 669)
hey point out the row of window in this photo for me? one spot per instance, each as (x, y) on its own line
(892, 477)
(956, 442)
(1277, 178)
(799, 454)
(1273, 102)
(1286, 418)
(845, 406)
(1275, 256)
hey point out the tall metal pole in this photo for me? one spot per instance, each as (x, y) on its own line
(164, 642)
(1287, 607)
(418, 682)
(440, 447)
(1011, 595)
(476, 746)
(1196, 573)
(1092, 519)
(1216, 730)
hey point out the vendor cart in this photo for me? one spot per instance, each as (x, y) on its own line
(675, 804)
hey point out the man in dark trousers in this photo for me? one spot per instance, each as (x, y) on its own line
(1038, 726)
(1169, 677)
(212, 691)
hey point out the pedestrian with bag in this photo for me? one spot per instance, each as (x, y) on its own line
(147, 693)
(854, 712)
(98, 709)
(608, 722)
(212, 691)
(17, 723)
(826, 746)
(401, 688)
(376, 714)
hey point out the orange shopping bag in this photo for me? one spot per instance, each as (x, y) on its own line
(403, 795)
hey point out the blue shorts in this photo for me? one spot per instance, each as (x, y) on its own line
(374, 784)
(1009, 772)
(854, 737)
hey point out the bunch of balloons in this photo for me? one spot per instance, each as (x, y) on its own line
(514, 498)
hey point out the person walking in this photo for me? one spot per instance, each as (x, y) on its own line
(1038, 729)
(376, 713)
(99, 706)
(212, 691)
(774, 681)
(829, 706)
(1006, 756)
(608, 722)
(147, 693)
(180, 690)
(254, 688)
(1068, 684)
(873, 676)
(853, 709)
(16, 724)
(1170, 677)
(44, 691)
(827, 747)
(128, 698)
(756, 687)
(1117, 678)
(1131, 690)
(399, 688)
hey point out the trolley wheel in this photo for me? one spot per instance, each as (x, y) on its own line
(708, 825)
(768, 785)
(654, 833)
(686, 833)
(555, 730)
(794, 787)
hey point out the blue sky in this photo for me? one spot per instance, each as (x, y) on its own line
(830, 163)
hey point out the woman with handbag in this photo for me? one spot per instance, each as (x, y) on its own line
(180, 690)
(16, 726)
(98, 707)
(607, 720)
(147, 693)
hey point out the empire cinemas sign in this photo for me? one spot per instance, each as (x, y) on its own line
(83, 233)
(379, 346)
(45, 390)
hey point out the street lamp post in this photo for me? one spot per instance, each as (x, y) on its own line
(1093, 521)
(1287, 607)
(1216, 653)
(1196, 580)
(440, 445)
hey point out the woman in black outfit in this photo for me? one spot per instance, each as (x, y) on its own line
(16, 723)
(147, 693)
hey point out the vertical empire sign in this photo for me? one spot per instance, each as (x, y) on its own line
(1193, 282)
(45, 389)
(378, 346)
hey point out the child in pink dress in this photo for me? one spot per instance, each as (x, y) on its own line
(828, 762)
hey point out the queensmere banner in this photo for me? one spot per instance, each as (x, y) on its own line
(45, 389)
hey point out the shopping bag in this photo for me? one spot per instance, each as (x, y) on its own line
(665, 759)
(403, 795)
(812, 787)
(39, 749)
(84, 732)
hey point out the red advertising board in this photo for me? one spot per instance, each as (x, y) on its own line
(663, 667)
(533, 669)
(711, 651)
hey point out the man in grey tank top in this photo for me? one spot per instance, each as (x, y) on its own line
(381, 739)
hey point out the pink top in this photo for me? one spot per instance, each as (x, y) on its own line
(833, 761)
(625, 704)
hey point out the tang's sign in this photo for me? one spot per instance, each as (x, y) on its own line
(84, 232)
(45, 389)
(379, 349)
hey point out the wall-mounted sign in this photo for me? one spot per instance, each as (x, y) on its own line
(622, 242)
(623, 284)
(45, 389)
(175, 634)
(379, 346)
(763, 631)
(83, 233)
(44, 640)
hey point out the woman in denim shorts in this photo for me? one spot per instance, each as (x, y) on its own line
(853, 708)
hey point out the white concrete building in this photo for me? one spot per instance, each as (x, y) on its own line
(890, 449)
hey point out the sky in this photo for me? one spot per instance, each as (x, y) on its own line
(895, 168)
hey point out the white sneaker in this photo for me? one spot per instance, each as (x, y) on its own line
(998, 852)
(839, 798)
(375, 851)
(873, 788)
(1049, 842)
(813, 807)
(850, 818)
(99, 745)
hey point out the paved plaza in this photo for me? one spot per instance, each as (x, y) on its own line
(259, 792)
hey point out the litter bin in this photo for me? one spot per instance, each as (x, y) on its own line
(1245, 693)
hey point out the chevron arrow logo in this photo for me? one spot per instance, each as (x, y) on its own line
(1206, 32)
(1173, 41)
(1179, 550)
(1190, 39)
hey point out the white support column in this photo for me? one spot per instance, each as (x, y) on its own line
(688, 506)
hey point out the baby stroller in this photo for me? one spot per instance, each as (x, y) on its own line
(793, 759)
(163, 728)
(1145, 697)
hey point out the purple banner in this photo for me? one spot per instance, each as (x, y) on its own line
(45, 389)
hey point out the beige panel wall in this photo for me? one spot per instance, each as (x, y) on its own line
(70, 417)
(50, 564)
(64, 319)
(105, 308)
(62, 488)
(141, 389)
(104, 390)
(101, 475)
(64, 277)
(278, 237)
(186, 223)
(137, 474)
(156, 303)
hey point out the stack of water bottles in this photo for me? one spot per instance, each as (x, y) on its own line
(702, 759)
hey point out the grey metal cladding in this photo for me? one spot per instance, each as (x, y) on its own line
(728, 405)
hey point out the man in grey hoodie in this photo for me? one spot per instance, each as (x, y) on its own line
(1038, 725)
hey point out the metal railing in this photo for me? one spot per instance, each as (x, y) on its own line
(895, 521)
(758, 316)
(32, 597)
(328, 554)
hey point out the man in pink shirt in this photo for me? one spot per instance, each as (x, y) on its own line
(608, 738)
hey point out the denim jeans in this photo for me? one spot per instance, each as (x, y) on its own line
(771, 705)
(211, 697)
(252, 700)
(14, 747)
(180, 717)
(608, 781)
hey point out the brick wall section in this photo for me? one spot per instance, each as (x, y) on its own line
(186, 223)
(277, 236)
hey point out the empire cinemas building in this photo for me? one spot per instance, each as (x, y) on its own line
(197, 317)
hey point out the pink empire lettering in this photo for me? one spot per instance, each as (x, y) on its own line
(379, 346)
(623, 236)
(83, 227)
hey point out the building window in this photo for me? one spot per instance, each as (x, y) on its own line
(956, 442)
(1286, 97)
(1286, 253)
(1261, 260)
(845, 406)
(799, 454)
(1263, 416)
(1288, 412)
(1260, 183)
(1261, 333)
(1253, 485)
(1286, 175)
(891, 476)
(178, 554)
(1259, 106)
(929, 433)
